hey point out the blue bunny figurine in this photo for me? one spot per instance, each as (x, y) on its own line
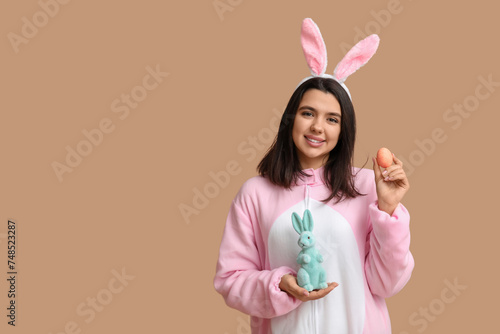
(311, 274)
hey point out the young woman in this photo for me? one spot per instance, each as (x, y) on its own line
(361, 227)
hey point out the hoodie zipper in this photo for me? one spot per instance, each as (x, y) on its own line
(314, 326)
(315, 322)
(307, 196)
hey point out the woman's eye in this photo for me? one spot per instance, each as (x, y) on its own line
(307, 113)
(333, 120)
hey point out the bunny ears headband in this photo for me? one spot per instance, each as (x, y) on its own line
(315, 52)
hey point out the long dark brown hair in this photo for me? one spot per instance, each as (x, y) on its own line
(281, 164)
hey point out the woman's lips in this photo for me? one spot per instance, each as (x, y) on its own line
(314, 141)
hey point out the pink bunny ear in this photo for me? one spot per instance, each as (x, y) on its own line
(356, 57)
(314, 47)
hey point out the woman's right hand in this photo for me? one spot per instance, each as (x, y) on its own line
(289, 284)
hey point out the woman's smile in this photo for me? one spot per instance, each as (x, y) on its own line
(313, 141)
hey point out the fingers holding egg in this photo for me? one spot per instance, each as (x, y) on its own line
(396, 174)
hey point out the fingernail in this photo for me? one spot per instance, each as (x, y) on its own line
(384, 172)
(386, 178)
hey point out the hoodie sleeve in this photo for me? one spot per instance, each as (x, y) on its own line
(388, 262)
(240, 277)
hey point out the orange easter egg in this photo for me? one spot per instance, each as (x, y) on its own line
(384, 157)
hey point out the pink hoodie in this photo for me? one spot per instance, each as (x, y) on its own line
(365, 250)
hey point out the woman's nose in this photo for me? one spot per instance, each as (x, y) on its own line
(316, 127)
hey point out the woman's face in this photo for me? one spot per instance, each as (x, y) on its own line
(316, 128)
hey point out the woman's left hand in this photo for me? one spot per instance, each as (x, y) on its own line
(392, 185)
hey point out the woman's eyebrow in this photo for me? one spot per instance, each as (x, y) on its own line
(307, 107)
(334, 114)
(312, 109)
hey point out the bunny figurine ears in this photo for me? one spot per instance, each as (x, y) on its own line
(315, 52)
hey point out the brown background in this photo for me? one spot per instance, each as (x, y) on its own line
(120, 207)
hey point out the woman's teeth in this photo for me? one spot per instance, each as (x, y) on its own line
(313, 140)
